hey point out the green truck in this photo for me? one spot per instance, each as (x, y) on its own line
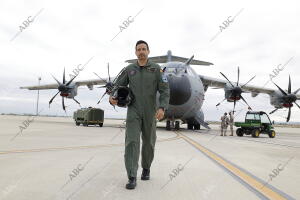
(256, 123)
(89, 116)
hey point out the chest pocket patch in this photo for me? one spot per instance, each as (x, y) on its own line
(132, 72)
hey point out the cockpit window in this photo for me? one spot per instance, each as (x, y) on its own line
(175, 70)
(181, 70)
(171, 70)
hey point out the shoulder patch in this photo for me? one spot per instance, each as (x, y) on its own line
(164, 78)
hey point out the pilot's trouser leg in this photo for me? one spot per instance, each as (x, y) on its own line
(132, 142)
(149, 138)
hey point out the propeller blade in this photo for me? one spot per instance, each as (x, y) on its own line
(273, 111)
(246, 102)
(227, 79)
(76, 101)
(297, 105)
(238, 79)
(234, 105)
(297, 91)
(100, 77)
(289, 115)
(101, 97)
(70, 81)
(220, 102)
(53, 98)
(249, 81)
(102, 86)
(56, 80)
(108, 71)
(64, 77)
(290, 85)
(281, 90)
(63, 103)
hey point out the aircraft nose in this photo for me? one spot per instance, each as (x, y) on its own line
(180, 89)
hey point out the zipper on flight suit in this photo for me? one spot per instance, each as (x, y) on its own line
(141, 81)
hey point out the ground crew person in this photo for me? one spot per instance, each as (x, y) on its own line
(224, 124)
(145, 78)
(231, 121)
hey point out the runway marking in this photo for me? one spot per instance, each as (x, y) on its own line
(76, 147)
(246, 178)
(255, 140)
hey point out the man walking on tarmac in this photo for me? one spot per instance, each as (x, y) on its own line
(231, 121)
(224, 124)
(145, 78)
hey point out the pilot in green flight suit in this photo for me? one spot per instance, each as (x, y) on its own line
(145, 78)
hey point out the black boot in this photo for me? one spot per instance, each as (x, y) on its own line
(131, 183)
(145, 174)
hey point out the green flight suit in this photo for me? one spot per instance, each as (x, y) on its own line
(144, 82)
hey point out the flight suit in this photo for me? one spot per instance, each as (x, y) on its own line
(144, 83)
(224, 125)
(231, 121)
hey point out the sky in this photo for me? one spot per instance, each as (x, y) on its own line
(40, 38)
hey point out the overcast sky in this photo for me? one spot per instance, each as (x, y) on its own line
(67, 33)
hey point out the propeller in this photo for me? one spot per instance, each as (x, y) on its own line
(63, 89)
(236, 90)
(288, 98)
(108, 84)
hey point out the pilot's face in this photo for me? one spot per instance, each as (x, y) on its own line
(142, 51)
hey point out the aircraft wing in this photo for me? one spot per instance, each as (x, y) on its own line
(219, 83)
(164, 59)
(88, 83)
(41, 87)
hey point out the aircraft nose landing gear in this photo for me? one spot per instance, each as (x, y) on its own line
(174, 124)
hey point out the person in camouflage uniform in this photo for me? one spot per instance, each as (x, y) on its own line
(224, 124)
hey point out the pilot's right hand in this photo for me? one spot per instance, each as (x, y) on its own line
(113, 101)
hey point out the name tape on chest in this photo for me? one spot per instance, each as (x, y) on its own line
(151, 69)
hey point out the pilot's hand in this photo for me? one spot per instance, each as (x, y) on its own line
(160, 113)
(113, 101)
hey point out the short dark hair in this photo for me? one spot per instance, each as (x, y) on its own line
(141, 42)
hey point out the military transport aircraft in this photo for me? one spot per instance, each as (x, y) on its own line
(187, 89)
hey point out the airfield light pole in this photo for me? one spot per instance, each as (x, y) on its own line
(37, 102)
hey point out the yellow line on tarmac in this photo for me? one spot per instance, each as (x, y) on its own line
(255, 184)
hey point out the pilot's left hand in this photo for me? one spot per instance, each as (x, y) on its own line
(160, 114)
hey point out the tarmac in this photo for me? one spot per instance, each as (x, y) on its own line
(48, 158)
